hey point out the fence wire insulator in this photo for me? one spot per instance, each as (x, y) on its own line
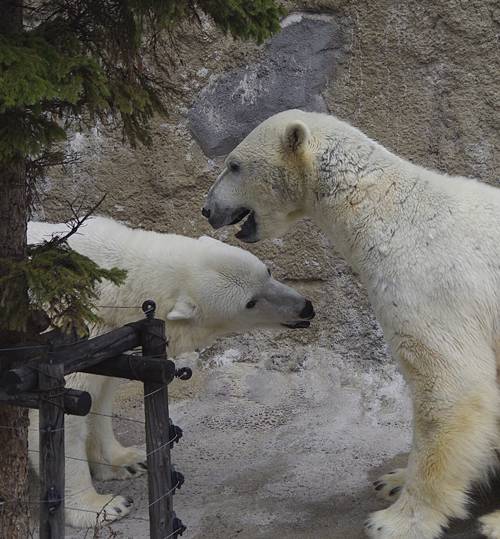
(149, 308)
(179, 527)
(53, 499)
(175, 433)
(177, 479)
(184, 373)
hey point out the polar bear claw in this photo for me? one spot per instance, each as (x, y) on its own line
(390, 485)
(130, 462)
(95, 510)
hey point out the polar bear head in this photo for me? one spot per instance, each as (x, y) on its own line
(226, 289)
(261, 187)
(202, 287)
(209, 288)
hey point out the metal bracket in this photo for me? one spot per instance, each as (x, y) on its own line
(52, 499)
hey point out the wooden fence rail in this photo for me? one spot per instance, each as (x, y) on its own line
(37, 381)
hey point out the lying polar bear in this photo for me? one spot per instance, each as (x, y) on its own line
(427, 247)
(202, 288)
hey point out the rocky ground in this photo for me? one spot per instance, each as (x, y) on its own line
(273, 451)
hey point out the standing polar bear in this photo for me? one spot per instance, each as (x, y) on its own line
(202, 288)
(427, 247)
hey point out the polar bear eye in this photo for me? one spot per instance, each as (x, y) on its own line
(250, 304)
(234, 166)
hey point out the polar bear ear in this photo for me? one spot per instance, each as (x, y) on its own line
(183, 310)
(297, 136)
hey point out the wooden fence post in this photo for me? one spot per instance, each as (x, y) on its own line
(158, 444)
(44, 378)
(51, 386)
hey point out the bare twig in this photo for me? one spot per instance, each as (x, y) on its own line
(76, 222)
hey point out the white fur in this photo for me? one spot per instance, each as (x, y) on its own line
(201, 288)
(427, 247)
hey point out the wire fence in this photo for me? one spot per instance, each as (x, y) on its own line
(68, 497)
(92, 416)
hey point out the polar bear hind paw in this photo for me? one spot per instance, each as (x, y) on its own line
(390, 485)
(130, 470)
(489, 525)
(129, 463)
(98, 511)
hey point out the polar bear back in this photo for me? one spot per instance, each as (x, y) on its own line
(202, 287)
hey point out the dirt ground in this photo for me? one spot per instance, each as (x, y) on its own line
(272, 454)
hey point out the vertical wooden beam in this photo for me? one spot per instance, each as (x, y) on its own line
(157, 436)
(51, 386)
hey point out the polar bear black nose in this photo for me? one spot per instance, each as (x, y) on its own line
(308, 311)
(205, 213)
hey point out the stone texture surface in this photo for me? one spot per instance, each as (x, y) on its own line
(293, 73)
(285, 431)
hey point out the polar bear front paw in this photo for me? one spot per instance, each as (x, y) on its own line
(392, 523)
(123, 464)
(96, 510)
(390, 485)
(489, 525)
(379, 526)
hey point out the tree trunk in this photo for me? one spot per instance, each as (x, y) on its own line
(13, 209)
(11, 15)
(14, 522)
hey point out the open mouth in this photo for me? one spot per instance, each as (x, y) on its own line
(296, 325)
(246, 226)
(243, 213)
(306, 315)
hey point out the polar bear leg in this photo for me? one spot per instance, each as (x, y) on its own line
(84, 507)
(489, 525)
(455, 432)
(107, 457)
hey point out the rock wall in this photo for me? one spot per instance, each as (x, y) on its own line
(284, 431)
(421, 78)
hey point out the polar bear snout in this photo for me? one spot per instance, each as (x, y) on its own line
(223, 216)
(243, 218)
(308, 312)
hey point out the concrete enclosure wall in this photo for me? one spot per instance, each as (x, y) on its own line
(421, 78)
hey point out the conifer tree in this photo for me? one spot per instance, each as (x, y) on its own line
(67, 62)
